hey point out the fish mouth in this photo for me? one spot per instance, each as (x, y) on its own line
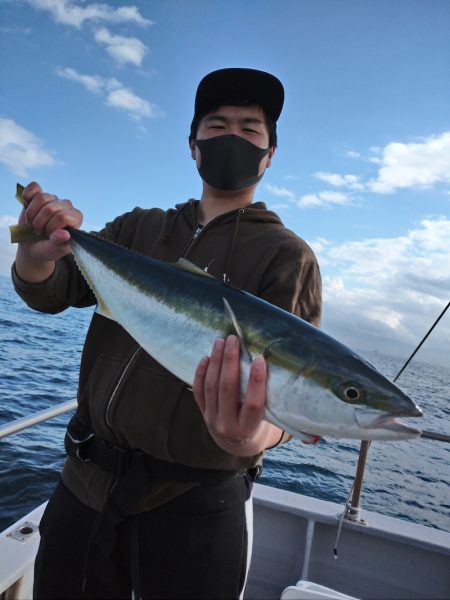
(388, 421)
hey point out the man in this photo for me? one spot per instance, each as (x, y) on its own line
(156, 490)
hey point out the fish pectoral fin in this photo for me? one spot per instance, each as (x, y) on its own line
(245, 353)
(188, 266)
(267, 350)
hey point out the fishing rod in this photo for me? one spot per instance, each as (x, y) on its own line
(434, 435)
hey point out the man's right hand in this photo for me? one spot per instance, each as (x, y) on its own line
(48, 215)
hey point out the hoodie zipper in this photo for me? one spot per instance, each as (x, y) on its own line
(200, 229)
(112, 397)
(197, 232)
(117, 387)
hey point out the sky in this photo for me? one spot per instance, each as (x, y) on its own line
(96, 100)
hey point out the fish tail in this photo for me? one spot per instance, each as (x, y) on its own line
(22, 232)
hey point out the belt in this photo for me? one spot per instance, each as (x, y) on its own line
(85, 446)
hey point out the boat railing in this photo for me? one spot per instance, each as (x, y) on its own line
(19, 542)
(37, 417)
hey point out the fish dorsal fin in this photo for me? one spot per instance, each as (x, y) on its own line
(189, 267)
(237, 328)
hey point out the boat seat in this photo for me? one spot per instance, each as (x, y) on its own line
(308, 590)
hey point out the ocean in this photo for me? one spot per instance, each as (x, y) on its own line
(39, 361)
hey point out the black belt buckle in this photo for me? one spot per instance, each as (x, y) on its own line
(255, 472)
(74, 447)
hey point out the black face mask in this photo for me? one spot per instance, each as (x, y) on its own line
(229, 162)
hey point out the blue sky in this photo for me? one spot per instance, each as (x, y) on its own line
(96, 101)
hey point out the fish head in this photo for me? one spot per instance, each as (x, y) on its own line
(341, 395)
(374, 402)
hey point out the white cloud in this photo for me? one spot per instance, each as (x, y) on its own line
(385, 293)
(420, 164)
(434, 235)
(15, 30)
(324, 198)
(319, 245)
(278, 207)
(280, 192)
(7, 220)
(122, 49)
(116, 95)
(7, 250)
(93, 83)
(142, 132)
(349, 181)
(126, 100)
(20, 149)
(398, 165)
(379, 256)
(75, 14)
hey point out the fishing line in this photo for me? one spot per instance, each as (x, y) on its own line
(341, 521)
(421, 343)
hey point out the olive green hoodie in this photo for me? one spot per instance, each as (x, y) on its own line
(125, 396)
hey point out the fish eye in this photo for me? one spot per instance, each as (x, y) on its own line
(350, 393)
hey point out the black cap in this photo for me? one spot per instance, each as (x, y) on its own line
(231, 85)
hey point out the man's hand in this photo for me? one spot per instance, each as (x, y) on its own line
(237, 427)
(48, 215)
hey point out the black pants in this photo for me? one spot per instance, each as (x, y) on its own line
(192, 547)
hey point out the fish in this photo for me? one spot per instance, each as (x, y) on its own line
(316, 385)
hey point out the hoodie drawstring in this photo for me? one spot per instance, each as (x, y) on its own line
(169, 225)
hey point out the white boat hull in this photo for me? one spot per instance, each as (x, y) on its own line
(293, 540)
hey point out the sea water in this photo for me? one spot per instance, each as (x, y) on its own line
(39, 361)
